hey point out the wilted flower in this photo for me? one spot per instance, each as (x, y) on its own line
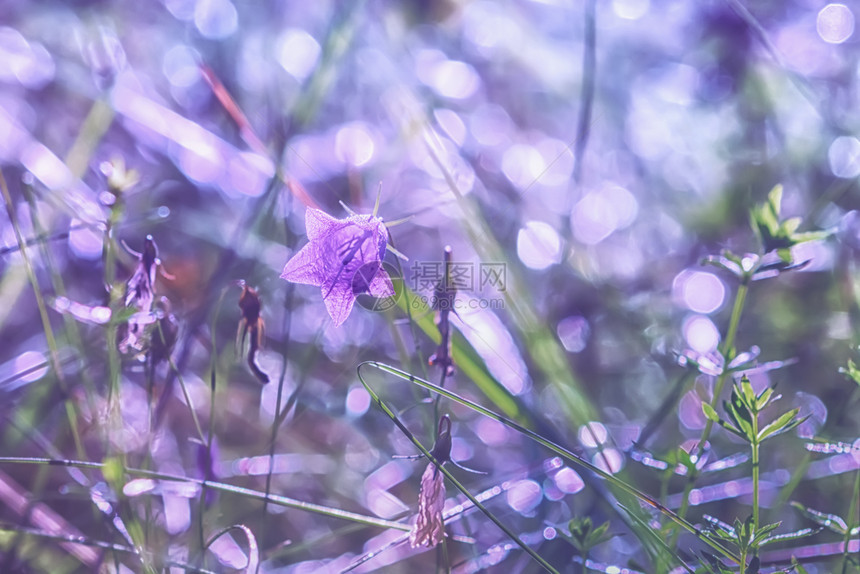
(444, 295)
(429, 529)
(139, 295)
(344, 258)
(166, 330)
(251, 324)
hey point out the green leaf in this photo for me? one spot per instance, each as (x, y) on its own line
(789, 226)
(747, 393)
(851, 371)
(762, 400)
(781, 424)
(797, 534)
(710, 413)
(763, 531)
(740, 416)
(798, 567)
(774, 199)
(831, 521)
(600, 535)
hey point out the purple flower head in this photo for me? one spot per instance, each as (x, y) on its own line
(343, 257)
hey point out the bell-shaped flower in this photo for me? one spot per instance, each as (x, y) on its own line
(343, 258)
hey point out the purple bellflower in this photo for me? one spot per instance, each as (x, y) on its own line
(344, 258)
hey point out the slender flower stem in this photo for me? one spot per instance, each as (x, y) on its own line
(46, 322)
(561, 451)
(727, 351)
(755, 474)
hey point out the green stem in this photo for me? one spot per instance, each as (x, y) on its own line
(46, 322)
(561, 451)
(726, 350)
(755, 474)
(852, 514)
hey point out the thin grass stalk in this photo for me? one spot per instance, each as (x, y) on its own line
(396, 420)
(561, 451)
(852, 521)
(726, 350)
(220, 487)
(46, 321)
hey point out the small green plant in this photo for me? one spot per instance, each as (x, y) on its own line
(744, 410)
(584, 536)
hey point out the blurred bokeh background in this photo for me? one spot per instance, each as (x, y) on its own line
(596, 150)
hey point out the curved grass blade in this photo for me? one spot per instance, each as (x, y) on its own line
(565, 453)
(387, 410)
(85, 541)
(221, 487)
(253, 548)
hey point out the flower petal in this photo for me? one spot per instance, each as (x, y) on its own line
(344, 258)
(381, 285)
(319, 224)
(338, 302)
(306, 266)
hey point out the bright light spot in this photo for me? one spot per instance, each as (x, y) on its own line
(558, 159)
(491, 433)
(700, 333)
(844, 157)
(298, 52)
(180, 66)
(85, 243)
(524, 496)
(138, 486)
(28, 361)
(538, 245)
(573, 333)
(549, 533)
(597, 215)
(568, 481)
(592, 434)
(610, 460)
(200, 159)
(835, 23)
(732, 488)
(488, 27)
(47, 167)
(450, 121)
(699, 291)
(216, 19)
(813, 408)
(625, 204)
(357, 401)
(181, 9)
(630, 9)
(249, 173)
(457, 80)
(100, 315)
(448, 78)
(29, 64)
(690, 411)
(494, 343)
(523, 165)
(353, 144)
(490, 125)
